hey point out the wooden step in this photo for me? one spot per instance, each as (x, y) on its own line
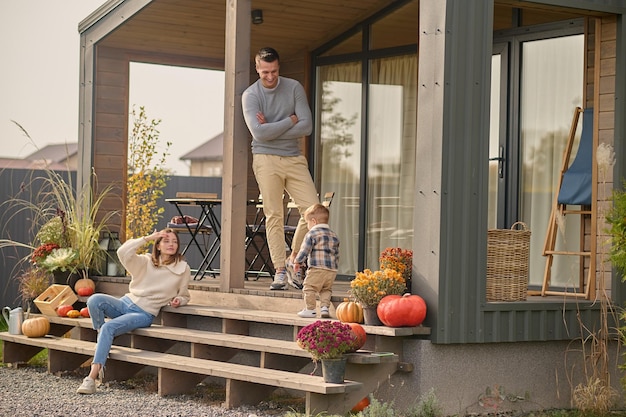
(169, 383)
(273, 317)
(181, 334)
(235, 341)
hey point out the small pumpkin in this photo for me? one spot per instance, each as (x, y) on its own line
(85, 291)
(361, 405)
(36, 327)
(406, 310)
(85, 283)
(361, 336)
(349, 312)
(73, 314)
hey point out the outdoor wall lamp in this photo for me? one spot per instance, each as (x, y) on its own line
(257, 16)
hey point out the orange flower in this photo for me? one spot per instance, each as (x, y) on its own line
(369, 287)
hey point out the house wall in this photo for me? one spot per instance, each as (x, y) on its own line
(543, 375)
(110, 129)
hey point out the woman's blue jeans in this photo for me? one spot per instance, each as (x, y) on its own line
(124, 316)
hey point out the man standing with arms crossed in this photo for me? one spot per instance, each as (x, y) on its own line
(277, 113)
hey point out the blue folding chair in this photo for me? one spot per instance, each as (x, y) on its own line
(574, 189)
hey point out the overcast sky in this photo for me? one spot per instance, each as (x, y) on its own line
(39, 47)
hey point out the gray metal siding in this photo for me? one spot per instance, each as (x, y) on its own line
(464, 171)
(460, 313)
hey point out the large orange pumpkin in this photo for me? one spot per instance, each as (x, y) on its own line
(402, 310)
(36, 327)
(361, 336)
(349, 312)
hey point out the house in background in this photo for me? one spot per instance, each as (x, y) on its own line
(58, 157)
(206, 159)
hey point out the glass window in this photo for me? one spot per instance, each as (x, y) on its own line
(551, 88)
(351, 45)
(366, 136)
(339, 153)
(391, 155)
(396, 29)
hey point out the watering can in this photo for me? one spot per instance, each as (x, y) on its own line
(14, 318)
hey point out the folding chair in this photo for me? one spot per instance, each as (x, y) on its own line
(574, 189)
(254, 231)
(328, 198)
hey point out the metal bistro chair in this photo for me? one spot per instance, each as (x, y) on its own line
(255, 232)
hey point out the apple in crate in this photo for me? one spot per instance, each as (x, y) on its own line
(84, 312)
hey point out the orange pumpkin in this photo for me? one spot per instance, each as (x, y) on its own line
(361, 336)
(406, 310)
(349, 312)
(85, 291)
(361, 405)
(36, 327)
(73, 314)
(85, 283)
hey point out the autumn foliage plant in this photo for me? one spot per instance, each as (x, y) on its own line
(327, 339)
(146, 178)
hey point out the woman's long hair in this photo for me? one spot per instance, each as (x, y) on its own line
(156, 253)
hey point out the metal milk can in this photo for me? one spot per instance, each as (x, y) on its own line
(14, 318)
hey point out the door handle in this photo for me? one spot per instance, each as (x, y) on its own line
(500, 159)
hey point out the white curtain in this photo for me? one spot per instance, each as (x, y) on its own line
(391, 150)
(391, 155)
(339, 129)
(552, 83)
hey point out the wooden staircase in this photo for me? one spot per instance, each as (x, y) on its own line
(253, 351)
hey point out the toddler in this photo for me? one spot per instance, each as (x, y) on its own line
(320, 250)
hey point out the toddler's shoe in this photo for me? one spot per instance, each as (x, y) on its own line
(324, 313)
(308, 314)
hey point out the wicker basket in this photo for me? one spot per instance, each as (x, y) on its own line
(508, 253)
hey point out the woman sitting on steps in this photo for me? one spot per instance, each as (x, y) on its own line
(157, 280)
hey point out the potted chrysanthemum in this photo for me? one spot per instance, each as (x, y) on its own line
(369, 287)
(400, 260)
(327, 341)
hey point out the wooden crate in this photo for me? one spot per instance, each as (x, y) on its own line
(53, 297)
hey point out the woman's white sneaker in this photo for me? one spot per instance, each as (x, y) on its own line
(87, 387)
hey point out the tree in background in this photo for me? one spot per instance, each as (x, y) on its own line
(146, 180)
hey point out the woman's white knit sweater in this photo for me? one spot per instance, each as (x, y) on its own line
(153, 287)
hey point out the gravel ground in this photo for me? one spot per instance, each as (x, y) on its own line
(32, 391)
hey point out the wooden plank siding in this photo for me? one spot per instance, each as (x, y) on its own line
(111, 127)
(605, 99)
